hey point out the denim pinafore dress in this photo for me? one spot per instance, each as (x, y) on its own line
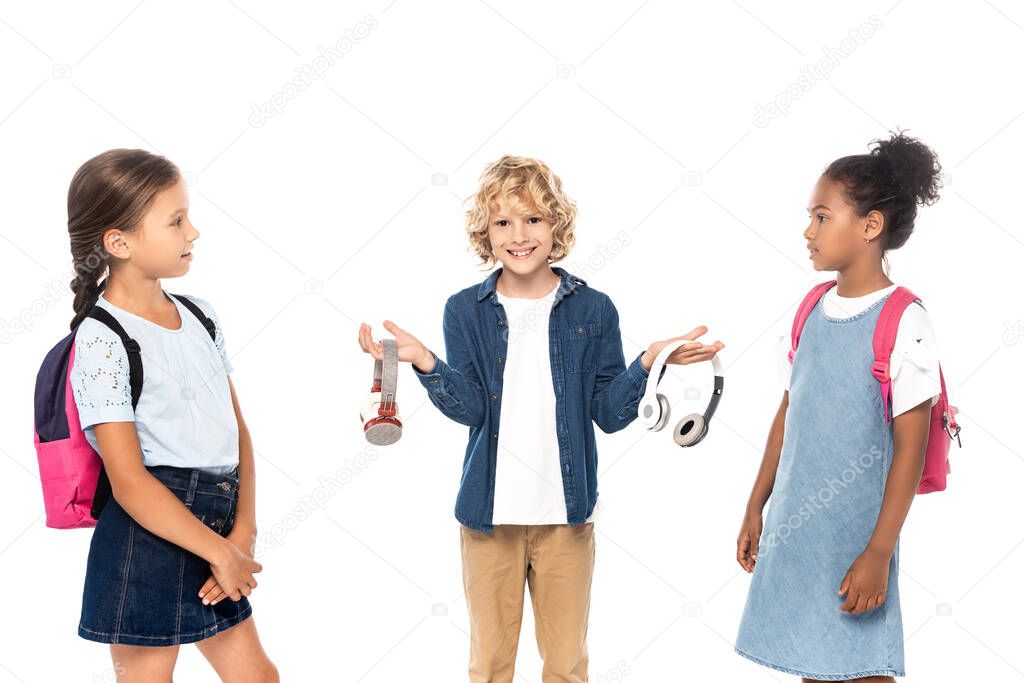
(831, 476)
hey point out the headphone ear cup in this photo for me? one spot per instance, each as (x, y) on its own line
(379, 430)
(690, 430)
(385, 431)
(666, 410)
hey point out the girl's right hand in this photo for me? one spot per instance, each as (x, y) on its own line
(234, 571)
(748, 541)
(410, 349)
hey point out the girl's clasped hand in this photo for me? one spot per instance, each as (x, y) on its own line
(232, 577)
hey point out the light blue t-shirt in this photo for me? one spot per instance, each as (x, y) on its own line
(184, 417)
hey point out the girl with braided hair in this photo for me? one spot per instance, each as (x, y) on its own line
(177, 536)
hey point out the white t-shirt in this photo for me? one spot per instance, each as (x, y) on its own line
(528, 477)
(914, 364)
(185, 416)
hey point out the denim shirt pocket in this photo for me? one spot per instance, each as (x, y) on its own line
(581, 340)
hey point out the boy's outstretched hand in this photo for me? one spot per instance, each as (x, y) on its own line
(410, 349)
(685, 354)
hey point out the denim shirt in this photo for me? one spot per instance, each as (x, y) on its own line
(591, 382)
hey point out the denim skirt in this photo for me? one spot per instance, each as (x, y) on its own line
(143, 590)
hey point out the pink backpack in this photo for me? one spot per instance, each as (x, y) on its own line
(943, 420)
(75, 485)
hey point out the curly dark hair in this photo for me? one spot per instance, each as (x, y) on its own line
(895, 177)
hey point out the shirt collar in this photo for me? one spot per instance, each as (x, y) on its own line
(567, 285)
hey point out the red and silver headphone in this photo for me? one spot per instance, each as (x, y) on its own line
(381, 423)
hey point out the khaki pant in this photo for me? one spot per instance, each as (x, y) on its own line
(557, 561)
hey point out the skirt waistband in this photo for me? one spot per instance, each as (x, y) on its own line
(193, 480)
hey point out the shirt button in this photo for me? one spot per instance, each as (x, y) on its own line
(433, 381)
(494, 397)
(579, 330)
(494, 435)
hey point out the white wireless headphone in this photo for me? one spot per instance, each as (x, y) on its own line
(654, 408)
(381, 423)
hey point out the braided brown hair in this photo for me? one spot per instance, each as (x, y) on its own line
(112, 190)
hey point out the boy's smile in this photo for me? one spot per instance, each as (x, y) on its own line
(521, 254)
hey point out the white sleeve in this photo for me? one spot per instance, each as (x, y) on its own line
(914, 364)
(207, 308)
(99, 376)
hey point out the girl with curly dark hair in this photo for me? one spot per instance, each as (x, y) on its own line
(840, 472)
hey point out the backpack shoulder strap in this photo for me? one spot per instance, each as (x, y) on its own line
(135, 372)
(802, 313)
(135, 376)
(211, 328)
(884, 340)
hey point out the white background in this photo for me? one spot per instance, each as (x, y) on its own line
(332, 212)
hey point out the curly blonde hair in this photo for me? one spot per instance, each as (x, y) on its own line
(531, 182)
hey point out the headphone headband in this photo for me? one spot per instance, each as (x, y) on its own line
(716, 396)
(385, 373)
